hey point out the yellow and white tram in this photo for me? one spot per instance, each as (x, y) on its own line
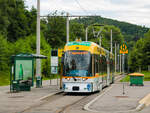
(87, 67)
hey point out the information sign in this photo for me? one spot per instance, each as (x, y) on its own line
(54, 61)
(54, 70)
(123, 49)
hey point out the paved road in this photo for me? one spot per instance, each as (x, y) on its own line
(111, 101)
(15, 102)
(114, 101)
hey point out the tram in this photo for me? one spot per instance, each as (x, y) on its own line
(87, 67)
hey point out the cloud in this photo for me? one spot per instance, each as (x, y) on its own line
(132, 11)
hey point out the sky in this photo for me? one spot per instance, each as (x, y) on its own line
(131, 11)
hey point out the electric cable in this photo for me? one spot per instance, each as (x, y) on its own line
(81, 6)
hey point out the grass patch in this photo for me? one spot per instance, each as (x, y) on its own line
(146, 77)
(51, 77)
(4, 78)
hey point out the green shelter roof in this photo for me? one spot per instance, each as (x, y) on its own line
(28, 55)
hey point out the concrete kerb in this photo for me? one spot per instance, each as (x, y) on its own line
(49, 95)
(143, 103)
(140, 107)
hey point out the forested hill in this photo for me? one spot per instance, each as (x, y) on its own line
(131, 32)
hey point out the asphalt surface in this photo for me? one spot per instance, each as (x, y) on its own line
(16, 102)
(109, 101)
(114, 101)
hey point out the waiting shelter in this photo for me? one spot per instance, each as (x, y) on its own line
(22, 71)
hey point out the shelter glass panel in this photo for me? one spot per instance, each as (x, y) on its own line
(23, 70)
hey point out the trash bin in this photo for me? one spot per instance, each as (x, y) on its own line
(38, 81)
(15, 86)
(136, 79)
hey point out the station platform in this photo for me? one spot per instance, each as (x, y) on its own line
(114, 101)
(16, 102)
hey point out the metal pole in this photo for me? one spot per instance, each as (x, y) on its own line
(123, 73)
(123, 63)
(111, 40)
(118, 59)
(38, 62)
(86, 33)
(67, 27)
(100, 41)
(120, 63)
(115, 58)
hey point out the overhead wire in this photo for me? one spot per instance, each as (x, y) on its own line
(81, 7)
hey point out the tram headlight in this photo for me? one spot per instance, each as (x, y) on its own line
(84, 79)
(68, 79)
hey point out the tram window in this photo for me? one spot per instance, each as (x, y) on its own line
(96, 64)
(90, 66)
(93, 65)
(104, 65)
(110, 65)
(100, 64)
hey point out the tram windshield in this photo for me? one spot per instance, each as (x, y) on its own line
(77, 63)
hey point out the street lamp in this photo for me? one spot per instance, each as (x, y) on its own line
(38, 62)
(67, 26)
(86, 33)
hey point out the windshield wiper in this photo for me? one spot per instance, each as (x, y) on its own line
(74, 78)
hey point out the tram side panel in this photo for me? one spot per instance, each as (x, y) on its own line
(111, 71)
(104, 71)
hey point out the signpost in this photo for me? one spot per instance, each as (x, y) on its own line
(54, 63)
(123, 51)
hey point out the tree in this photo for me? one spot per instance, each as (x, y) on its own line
(15, 20)
(18, 26)
(146, 49)
(56, 31)
(76, 31)
(5, 53)
(140, 54)
(28, 45)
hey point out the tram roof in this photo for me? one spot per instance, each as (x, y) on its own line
(86, 45)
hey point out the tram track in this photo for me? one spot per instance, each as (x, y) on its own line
(44, 101)
(80, 103)
(71, 101)
(66, 108)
